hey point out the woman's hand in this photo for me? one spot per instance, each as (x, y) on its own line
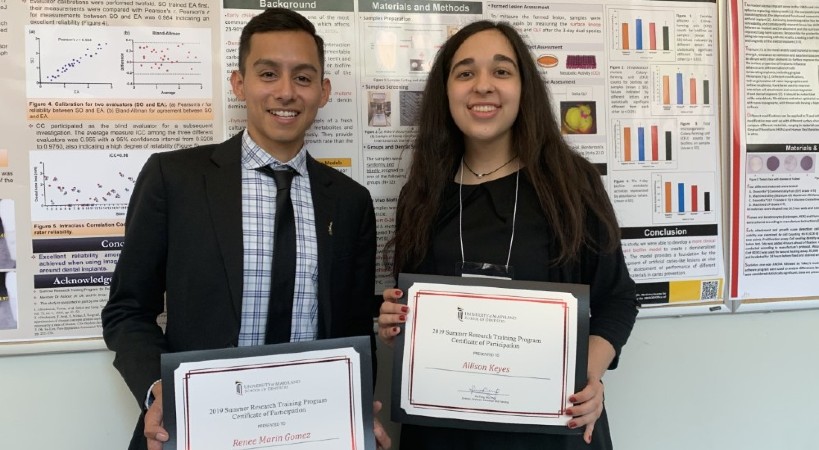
(587, 406)
(391, 315)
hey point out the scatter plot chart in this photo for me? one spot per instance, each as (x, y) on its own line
(118, 62)
(65, 72)
(83, 184)
(69, 62)
(171, 59)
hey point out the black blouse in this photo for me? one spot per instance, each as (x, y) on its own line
(487, 228)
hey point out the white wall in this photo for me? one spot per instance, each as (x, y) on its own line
(730, 382)
(742, 381)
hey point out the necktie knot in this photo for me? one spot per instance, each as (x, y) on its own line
(283, 178)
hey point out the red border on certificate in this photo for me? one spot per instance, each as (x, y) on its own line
(736, 150)
(188, 375)
(429, 295)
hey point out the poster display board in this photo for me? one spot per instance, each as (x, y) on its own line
(92, 87)
(774, 195)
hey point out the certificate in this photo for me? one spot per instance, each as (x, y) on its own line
(312, 395)
(490, 354)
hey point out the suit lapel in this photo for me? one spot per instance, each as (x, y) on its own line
(223, 185)
(324, 206)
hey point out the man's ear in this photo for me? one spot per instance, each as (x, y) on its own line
(326, 88)
(237, 82)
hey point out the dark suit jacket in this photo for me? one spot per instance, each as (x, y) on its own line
(183, 242)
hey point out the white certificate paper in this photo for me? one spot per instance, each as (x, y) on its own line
(308, 401)
(489, 354)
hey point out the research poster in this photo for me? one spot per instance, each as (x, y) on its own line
(774, 237)
(91, 88)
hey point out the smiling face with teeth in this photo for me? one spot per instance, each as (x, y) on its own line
(484, 88)
(283, 89)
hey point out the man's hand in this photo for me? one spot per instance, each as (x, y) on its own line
(154, 432)
(382, 440)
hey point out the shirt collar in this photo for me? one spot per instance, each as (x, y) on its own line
(254, 157)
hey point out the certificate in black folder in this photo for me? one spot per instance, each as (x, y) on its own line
(317, 393)
(490, 354)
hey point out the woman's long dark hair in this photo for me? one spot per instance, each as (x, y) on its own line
(567, 185)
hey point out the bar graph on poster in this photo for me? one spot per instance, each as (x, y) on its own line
(683, 198)
(642, 34)
(646, 144)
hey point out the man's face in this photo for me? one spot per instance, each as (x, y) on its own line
(283, 89)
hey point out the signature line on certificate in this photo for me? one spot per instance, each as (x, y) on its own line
(488, 373)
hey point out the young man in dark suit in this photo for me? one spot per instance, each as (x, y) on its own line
(199, 237)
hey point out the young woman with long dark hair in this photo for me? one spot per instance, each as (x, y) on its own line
(493, 181)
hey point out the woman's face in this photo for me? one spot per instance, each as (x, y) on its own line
(483, 87)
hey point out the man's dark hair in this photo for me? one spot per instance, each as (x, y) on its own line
(277, 19)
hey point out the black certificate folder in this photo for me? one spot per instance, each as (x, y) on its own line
(359, 344)
(472, 372)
